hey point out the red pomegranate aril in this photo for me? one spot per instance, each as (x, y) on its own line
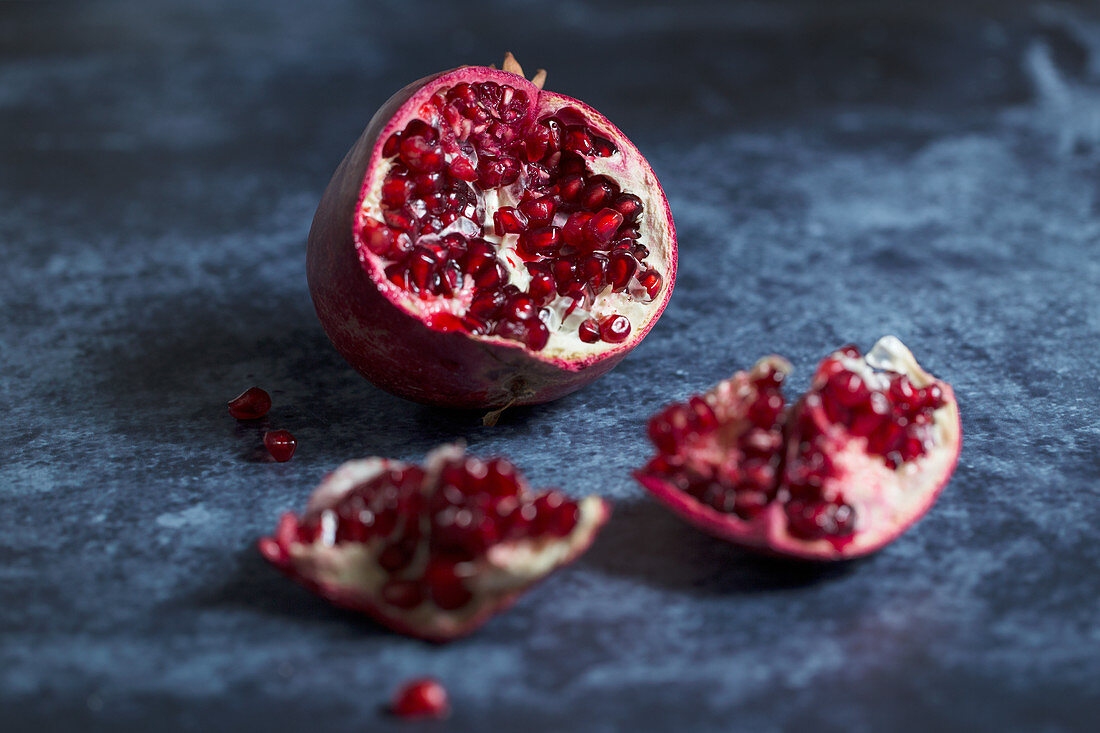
(420, 128)
(252, 404)
(573, 232)
(541, 287)
(490, 276)
(519, 308)
(564, 272)
(576, 139)
(589, 331)
(463, 169)
(630, 206)
(604, 224)
(614, 329)
(597, 194)
(422, 698)
(396, 192)
(537, 334)
(509, 220)
(651, 280)
(621, 266)
(593, 270)
(486, 304)
(280, 444)
(541, 241)
(392, 145)
(537, 143)
(378, 237)
(603, 147)
(478, 254)
(571, 186)
(421, 155)
(539, 212)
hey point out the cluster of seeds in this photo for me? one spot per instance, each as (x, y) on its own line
(743, 487)
(577, 234)
(427, 533)
(785, 456)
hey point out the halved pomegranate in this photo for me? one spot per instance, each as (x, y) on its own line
(431, 551)
(488, 243)
(842, 472)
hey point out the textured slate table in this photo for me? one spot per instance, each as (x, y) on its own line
(836, 172)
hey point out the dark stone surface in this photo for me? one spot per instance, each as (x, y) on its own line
(837, 171)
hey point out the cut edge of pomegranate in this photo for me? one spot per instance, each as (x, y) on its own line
(656, 213)
(339, 573)
(913, 487)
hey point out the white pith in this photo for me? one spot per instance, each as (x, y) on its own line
(563, 317)
(506, 568)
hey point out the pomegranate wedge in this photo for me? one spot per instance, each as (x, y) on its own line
(431, 551)
(487, 243)
(839, 474)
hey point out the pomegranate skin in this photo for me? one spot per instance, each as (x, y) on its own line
(395, 348)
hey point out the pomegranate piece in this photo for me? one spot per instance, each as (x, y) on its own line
(840, 473)
(252, 404)
(421, 698)
(469, 182)
(280, 444)
(431, 551)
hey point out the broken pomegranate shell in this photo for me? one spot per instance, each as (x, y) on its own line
(431, 551)
(838, 474)
(477, 230)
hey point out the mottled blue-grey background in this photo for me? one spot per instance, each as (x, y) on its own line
(837, 171)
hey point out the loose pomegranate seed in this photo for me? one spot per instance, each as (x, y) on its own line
(421, 698)
(280, 444)
(251, 404)
(614, 329)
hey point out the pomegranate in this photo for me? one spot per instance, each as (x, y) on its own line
(422, 698)
(487, 243)
(252, 404)
(431, 551)
(838, 474)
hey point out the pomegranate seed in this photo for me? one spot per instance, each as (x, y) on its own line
(519, 308)
(604, 224)
(421, 264)
(463, 169)
(541, 287)
(490, 276)
(509, 220)
(592, 270)
(576, 139)
(564, 272)
(571, 186)
(420, 155)
(539, 212)
(251, 404)
(403, 594)
(597, 194)
(280, 444)
(444, 585)
(420, 128)
(541, 241)
(396, 192)
(497, 172)
(651, 281)
(400, 219)
(378, 237)
(392, 145)
(422, 698)
(537, 335)
(573, 231)
(589, 331)
(603, 147)
(614, 329)
(478, 255)
(621, 266)
(630, 206)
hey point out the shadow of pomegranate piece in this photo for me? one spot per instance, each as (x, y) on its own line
(646, 542)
